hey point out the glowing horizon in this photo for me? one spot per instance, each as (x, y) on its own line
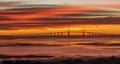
(88, 28)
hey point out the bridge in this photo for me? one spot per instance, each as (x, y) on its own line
(61, 34)
(65, 34)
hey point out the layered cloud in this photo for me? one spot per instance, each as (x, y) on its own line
(26, 16)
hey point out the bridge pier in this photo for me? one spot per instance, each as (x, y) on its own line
(83, 34)
(54, 34)
(95, 34)
(98, 34)
(61, 34)
(57, 33)
(89, 34)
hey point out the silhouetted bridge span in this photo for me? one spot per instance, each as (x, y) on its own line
(69, 34)
(66, 34)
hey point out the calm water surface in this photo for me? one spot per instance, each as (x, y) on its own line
(67, 47)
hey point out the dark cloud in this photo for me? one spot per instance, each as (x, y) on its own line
(106, 20)
(6, 27)
(6, 18)
(16, 13)
(104, 11)
(94, 13)
(37, 5)
(81, 15)
(59, 22)
(28, 9)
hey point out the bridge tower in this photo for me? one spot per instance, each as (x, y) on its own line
(83, 31)
(68, 31)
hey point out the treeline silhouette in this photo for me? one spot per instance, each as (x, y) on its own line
(104, 60)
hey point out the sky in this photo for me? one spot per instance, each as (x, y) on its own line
(31, 16)
(78, 2)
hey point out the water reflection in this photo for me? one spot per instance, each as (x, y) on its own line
(55, 46)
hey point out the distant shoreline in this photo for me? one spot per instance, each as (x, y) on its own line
(2, 56)
(66, 60)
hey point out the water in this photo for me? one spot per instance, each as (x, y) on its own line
(61, 47)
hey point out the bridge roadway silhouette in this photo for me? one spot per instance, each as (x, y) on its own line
(58, 35)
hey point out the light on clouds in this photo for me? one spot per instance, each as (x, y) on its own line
(78, 2)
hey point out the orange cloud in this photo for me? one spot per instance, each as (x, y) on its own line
(54, 17)
(53, 12)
